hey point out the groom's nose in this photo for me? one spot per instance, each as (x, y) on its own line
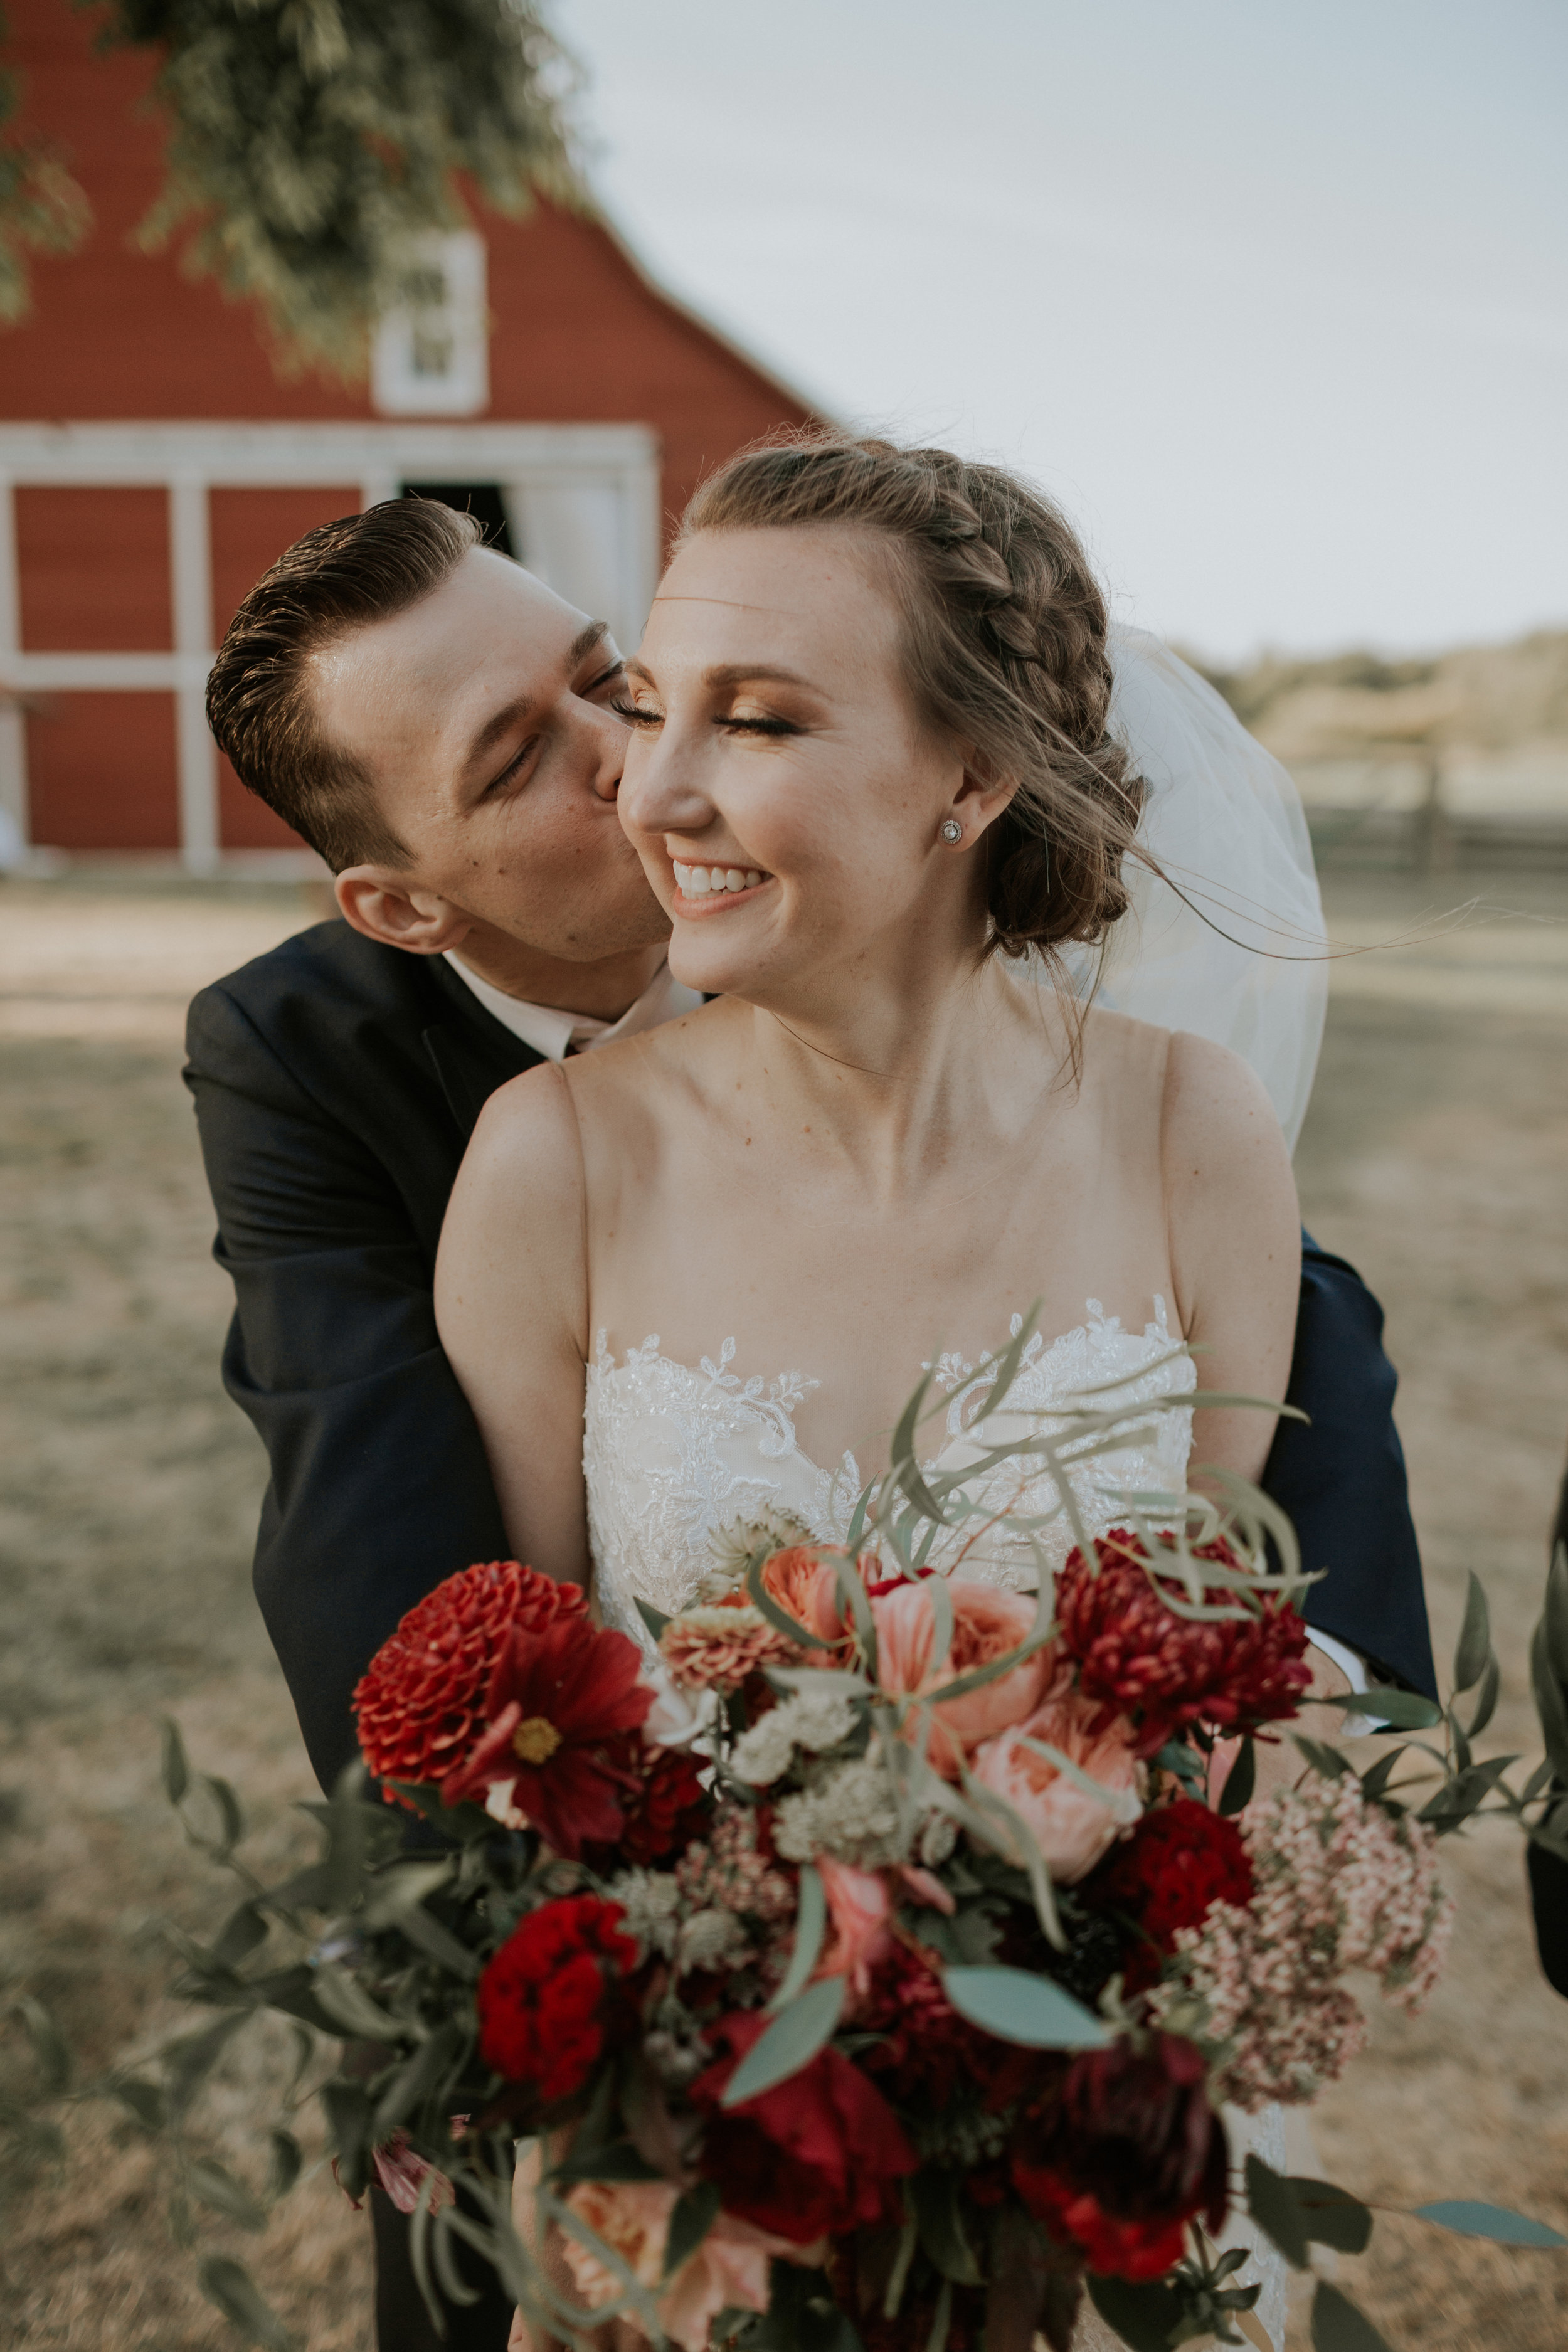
(608, 738)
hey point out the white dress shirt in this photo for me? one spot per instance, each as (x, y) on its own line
(554, 1033)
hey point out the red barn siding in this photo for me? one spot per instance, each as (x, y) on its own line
(100, 771)
(251, 528)
(94, 569)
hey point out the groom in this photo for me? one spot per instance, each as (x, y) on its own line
(436, 724)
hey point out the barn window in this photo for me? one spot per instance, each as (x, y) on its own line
(483, 500)
(431, 356)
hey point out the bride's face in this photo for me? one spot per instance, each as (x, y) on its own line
(781, 787)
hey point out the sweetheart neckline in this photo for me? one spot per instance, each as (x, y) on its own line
(789, 1389)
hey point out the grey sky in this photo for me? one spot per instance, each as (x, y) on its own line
(1275, 298)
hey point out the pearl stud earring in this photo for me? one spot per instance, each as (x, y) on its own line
(952, 830)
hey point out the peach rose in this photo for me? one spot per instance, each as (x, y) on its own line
(1071, 1827)
(805, 1581)
(986, 1623)
(729, 2268)
(860, 1907)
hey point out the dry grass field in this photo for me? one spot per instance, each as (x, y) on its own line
(1436, 1156)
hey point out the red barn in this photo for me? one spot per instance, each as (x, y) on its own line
(152, 464)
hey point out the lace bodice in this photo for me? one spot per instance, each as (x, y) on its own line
(672, 1453)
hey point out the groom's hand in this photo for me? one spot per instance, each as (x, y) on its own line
(1280, 1763)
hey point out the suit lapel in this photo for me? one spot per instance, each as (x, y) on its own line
(472, 1052)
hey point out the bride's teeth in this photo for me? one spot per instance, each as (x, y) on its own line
(697, 883)
(752, 879)
(734, 880)
(716, 878)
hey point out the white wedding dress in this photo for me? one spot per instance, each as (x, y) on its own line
(674, 1453)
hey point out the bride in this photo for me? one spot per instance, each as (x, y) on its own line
(873, 782)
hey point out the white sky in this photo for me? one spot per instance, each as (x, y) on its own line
(1272, 294)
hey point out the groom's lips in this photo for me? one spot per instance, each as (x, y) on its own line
(704, 889)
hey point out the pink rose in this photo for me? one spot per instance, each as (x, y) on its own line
(729, 2268)
(1071, 1827)
(803, 1581)
(859, 1907)
(986, 1625)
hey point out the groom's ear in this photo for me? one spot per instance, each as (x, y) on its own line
(392, 908)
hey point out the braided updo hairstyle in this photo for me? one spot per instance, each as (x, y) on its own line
(1004, 646)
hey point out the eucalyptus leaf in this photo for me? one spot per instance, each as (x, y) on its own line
(1327, 1761)
(348, 2004)
(811, 1921)
(1375, 1781)
(1485, 1706)
(1550, 1703)
(1403, 1710)
(656, 1620)
(218, 2188)
(348, 2112)
(1147, 2317)
(286, 2161)
(690, 2224)
(145, 2102)
(416, 2077)
(1240, 1780)
(230, 2287)
(243, 1932)
(229, 1811)
(1329, 2215)
(1015, 2006)
(1271, 2202)
(1493, 2221)
(176, 1769)
(1555, 1619)
(1475, 1642)
(790, 2041)
(49, 2049)
(1339, 2326)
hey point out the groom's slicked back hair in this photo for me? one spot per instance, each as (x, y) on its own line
(1004, 650)
(341, 577)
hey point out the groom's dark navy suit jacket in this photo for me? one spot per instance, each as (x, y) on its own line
(336, 1085)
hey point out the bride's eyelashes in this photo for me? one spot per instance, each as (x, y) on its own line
(639, 716)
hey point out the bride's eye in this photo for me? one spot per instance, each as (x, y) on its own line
(636, 716)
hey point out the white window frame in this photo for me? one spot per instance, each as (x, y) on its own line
(398, 387)
(188, 460)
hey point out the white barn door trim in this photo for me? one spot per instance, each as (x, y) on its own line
(613, 470)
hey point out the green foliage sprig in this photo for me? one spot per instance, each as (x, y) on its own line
(42, 209)
(314, 141)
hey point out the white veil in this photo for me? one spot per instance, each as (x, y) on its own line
(1224, 819)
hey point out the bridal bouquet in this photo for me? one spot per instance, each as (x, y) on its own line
(872, 1971)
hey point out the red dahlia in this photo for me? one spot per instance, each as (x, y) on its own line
(815, 2155)
(1145, 1659)
(664, 1805)
(542, 1998)
(421, 1704)
(556, 1701)
(1121, 2158)
(1181, 1858)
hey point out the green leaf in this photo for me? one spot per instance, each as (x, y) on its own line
(689, 2224)
(1373, 1782)
(1327, 1761)
(935, 2194)
(1485, 1699)
(287, 2159)
(1550, 1702)
(230, 1815)
(1404, 1710)
(348, 2127)
(1145, 2317)
(416, 2077)
(1475, 1642)
(145, 2102)
(1271, 2202)
(192, 2058)
(230, 2286)
(790, 2041)
(1015, 2006)
(176, 1770)
(1494, 2221)
(811, 1921)
(48, 2044)
(348, 2004)
(618, 2161)
(226, 2195)
(1240, 1780)
(1330, 2216)
(1555, 1619)
(243, 1931)
(654, 1619)
(1339, 2326)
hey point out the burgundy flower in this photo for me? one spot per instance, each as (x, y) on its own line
(542, 1996)
(664, 1805)
(1136, 1654)
(555, 1702)
(1118, 2161)
(1181, 1858)
(421, 1703)
(818, 2153)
